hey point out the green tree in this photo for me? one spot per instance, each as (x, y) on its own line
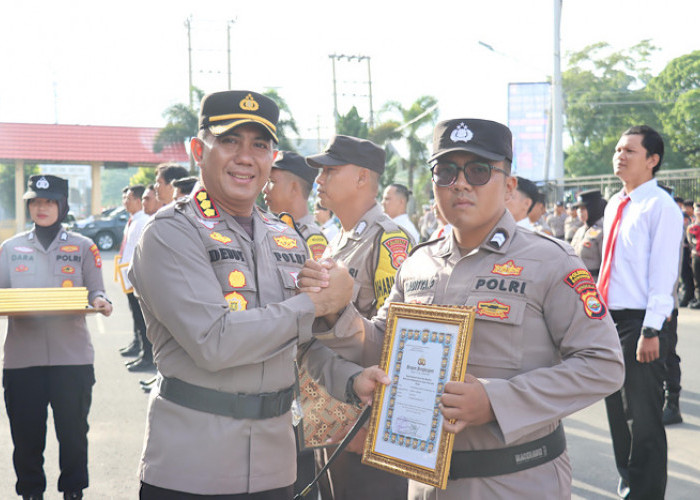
(677, 89)
(353, 124)
(182, 124)
(604, 95)
(7, 188)
(286, 122)
(417, 122)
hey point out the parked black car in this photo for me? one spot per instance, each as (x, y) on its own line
(105, 230)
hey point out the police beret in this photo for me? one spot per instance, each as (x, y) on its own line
(223, 111)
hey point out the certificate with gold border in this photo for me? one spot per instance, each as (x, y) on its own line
(425, 346)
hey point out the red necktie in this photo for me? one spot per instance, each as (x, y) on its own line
(121, 247)
(604, 279)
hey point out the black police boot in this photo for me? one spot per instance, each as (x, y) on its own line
(72, 495)
(672, 411)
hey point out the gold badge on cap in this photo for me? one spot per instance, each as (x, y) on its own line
(249, 104)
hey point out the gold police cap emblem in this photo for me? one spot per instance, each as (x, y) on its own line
(249, 103)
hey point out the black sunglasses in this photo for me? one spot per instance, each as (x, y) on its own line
(477, 173)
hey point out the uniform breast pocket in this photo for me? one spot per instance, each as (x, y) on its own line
(288, 278)
(238, 286)
(23, 274)
(498, 335)
(68, 270)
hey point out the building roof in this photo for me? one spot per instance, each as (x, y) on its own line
(84, 144)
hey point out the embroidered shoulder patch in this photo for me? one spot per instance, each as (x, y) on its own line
(96, 254)
(317, 244)
(393, 250)
(582, 283)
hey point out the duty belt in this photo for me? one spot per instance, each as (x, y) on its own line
(236, 405)
(485, 463)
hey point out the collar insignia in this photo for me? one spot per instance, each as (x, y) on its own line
(361, 226)
(507, 269)
(461, 133)
(498, 239)
(205, 205)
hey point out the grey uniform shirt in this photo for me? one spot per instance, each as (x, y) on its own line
(588, 244)
(543, 345)
(71, 260)
(372, 251)
(222, 312)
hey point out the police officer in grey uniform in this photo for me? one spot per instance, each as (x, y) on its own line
(372, 247)
(572, 222)
(543, 344)
(49, 359)
(288, 190)
(216, 278)
(588, 239)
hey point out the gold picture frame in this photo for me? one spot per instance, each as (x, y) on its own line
(425, 346)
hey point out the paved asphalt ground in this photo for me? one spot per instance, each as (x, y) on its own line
(117, 421)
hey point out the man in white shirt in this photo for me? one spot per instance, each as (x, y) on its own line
(642, 233)
(324, 218)
(132, 232)
(394, 204)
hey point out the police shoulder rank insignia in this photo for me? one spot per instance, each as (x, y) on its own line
(205, 205)
(285, 242)
(507, 269)
(236, 301)
(96, 254)
(492, 309)
(317, 244)
(236, 279)
(219, 237)
(582, 283)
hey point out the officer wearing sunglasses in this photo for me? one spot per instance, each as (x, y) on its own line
(543, 344)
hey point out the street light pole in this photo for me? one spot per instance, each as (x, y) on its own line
(229, 23)
(557, 98)
(188, 25)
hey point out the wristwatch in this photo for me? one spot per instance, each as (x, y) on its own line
(649, 332)
(350, 395)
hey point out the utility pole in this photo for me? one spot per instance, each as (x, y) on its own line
(188, 25)
(557, 99)
(340, 57)
(229, 23)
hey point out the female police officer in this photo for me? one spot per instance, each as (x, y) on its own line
(49, 359)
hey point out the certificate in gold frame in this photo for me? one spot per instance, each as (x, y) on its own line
(424, 347)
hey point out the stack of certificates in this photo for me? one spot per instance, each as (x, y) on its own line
(21, 301)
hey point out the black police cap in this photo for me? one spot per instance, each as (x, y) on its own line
(294, 163)
(50, 187)
(485, 138)
(345, 150)
(223, 111)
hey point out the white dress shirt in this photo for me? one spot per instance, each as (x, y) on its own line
(329, 229)
(644, 267)
(404, 221)
(132, 233)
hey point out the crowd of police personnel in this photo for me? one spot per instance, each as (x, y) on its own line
(237, 301)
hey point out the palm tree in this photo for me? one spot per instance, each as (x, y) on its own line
(286, 121)
(417, 121)
(182, 124)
